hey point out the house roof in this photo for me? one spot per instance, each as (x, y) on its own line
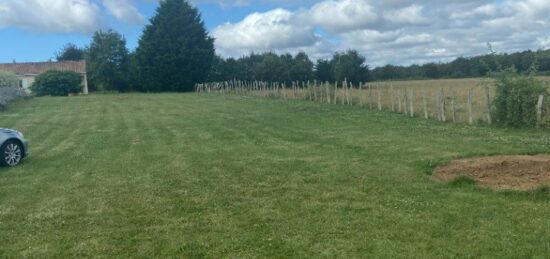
(36, 68)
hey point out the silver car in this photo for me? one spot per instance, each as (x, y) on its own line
(13, 147)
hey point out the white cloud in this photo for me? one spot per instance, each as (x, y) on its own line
(50, 15)
(407, 31)
(409, 15)
(390, 31)
(370, 37)
(124, 10)
(276, 29)
(488, 10)
(343, 15)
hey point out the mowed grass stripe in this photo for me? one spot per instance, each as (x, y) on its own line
(195, 175)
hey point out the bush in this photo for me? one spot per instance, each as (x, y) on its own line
(57, 83)
(516, 98)
(9, 95)
(8, 79)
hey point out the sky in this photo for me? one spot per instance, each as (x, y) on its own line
(398, 32)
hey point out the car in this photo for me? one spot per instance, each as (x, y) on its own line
(13, 147)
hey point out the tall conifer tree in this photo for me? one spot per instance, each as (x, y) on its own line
(175, 51)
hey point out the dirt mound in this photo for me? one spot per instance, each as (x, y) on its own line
(500, 172)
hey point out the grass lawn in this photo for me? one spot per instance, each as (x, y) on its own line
(189, 175)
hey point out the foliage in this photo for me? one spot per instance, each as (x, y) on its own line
(286, 68)
(516, 98)
(268, 66)
(71, 52)
(349, 66)
(8, 79)
(322, 70)
(175, 51)
(57, 83)
(108, 62)
(302, 68)
(272, 68)
(462, 67)
(9, 95)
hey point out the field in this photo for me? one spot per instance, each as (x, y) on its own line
(196, 175)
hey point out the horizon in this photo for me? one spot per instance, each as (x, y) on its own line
(401, 33)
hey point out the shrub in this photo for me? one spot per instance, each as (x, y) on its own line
(8, 79)
(57, 83)
(9, 95)
(516, 98)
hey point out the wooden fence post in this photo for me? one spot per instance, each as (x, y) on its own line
(336, 92)
(411, 102)
(442, 105)
(405, 101)
(328, 92)
(438, 105)
(470, 108)
(392, 96)
(343, 95)
(539, 111)
(425, 105)
(315, 89)
(453, 108)
(348, 92)
(399, 100)
(379, 99)
(312, 94)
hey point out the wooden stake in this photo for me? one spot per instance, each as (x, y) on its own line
(539, 111)
(311, 91)
(437, 104)
(405, 102)
(347, 93)
(379, 99)
(335, 92)
(392, 96)
(470, 110)
(425, 105)
(399, 100)
(442, 105)
(411, 102)
(453, 108)
(328, 92)
(342, 93)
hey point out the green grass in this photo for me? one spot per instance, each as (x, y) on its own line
(186, 175)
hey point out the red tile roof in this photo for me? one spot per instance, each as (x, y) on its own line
(36, 68)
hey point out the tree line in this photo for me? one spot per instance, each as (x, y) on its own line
(175, 52)
(272, 67)
(464, 67)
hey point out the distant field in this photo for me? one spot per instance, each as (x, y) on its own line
(194, 175)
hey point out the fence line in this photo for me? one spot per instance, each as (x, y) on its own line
(448, 105)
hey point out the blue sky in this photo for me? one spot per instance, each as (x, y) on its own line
(26, 45)
(396, 31)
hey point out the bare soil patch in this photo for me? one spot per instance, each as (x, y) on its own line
(520, 173)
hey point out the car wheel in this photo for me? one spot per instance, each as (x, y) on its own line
(11, 153)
